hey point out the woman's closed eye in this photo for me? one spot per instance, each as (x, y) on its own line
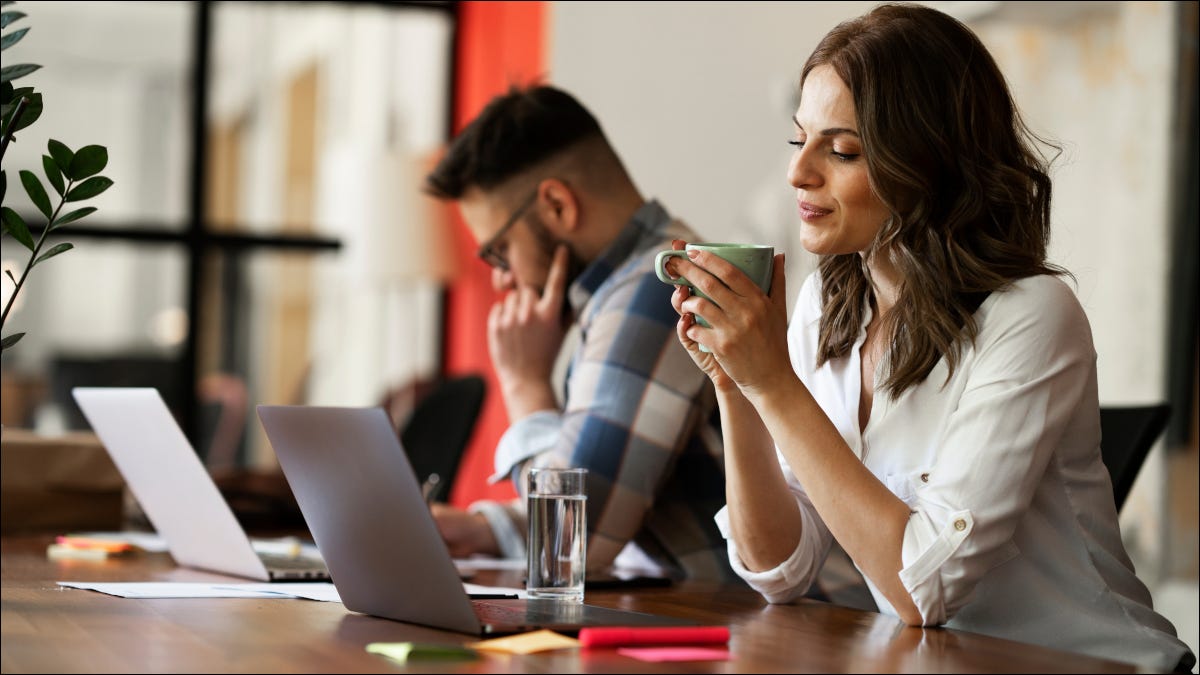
(843, 156)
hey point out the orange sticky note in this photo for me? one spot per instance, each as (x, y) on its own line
(527, 643)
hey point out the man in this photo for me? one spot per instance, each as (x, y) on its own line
(571, 240)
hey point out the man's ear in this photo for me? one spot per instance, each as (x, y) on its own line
(558, 206)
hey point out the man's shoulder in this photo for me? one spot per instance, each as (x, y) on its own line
(678, 229)
(633, 289)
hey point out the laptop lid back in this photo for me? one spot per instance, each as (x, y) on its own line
(364, 508)
(166, 476)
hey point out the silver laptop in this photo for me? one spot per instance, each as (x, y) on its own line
(175, 490)
(365, 510)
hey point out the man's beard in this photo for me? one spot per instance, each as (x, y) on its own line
(548, 243)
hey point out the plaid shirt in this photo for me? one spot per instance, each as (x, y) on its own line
(638, 416)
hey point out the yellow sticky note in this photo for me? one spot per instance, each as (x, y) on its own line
(393, 650)
(402, 651)
(527, 643)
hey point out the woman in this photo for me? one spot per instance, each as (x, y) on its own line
(939, 414)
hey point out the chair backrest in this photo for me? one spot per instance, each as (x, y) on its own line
(436, 434)
(1126, 436)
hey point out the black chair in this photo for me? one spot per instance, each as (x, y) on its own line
(436, 433)
(123, 369)
(1126, 436)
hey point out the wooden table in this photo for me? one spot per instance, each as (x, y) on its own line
(49, 629)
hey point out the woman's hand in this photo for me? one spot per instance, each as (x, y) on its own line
(748, 334)
(704, 360)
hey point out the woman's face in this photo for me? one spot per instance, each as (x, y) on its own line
(839, 213)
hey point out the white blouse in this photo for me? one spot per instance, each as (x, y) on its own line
(1013, 530)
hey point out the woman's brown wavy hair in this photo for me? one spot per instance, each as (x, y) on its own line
(949, 155)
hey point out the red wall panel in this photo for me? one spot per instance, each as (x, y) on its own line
(499, 44)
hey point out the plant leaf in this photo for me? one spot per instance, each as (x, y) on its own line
(88, 161)
(3, 186)
(16, 227)
(10, 73)
(53, 174)
(9, 17)
(36, 192)
(88, 189)
(33, 110)
(10, 97)
(12, 38)
(10, 340)
(55, 250)
(60, 152)
(73, 216)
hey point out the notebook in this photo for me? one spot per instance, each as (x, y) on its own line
(178, 496)
(365, 510)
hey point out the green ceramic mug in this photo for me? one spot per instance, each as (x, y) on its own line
(756, 260)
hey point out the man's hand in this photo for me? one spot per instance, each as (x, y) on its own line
(466, 534)
(525, 332)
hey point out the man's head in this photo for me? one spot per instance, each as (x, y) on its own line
(534, 170)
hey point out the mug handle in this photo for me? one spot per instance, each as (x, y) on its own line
(659, 269)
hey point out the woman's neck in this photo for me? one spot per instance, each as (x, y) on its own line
(885, 282)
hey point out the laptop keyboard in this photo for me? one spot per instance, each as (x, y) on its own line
(563, 616)
(498, 614)
(287, 562)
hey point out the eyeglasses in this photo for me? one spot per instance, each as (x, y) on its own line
(487, 252)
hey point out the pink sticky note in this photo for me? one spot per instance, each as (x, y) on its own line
(657, 654)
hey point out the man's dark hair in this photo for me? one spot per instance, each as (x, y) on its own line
(514, 132)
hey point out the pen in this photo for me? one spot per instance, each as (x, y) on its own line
(674, 635)
(428, 487)
(492, 596)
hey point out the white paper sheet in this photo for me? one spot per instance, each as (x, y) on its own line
(321, 592)
(170, 589)
(472, 564)
(307, 590)
(476, 589)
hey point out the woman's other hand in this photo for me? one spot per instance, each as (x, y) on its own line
(748, 334)
(704, 360)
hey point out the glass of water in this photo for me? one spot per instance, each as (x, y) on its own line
(557, 534)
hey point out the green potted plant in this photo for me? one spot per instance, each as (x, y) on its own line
(72, 174)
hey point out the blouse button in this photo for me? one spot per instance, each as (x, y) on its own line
(960, 524)
(924, 478)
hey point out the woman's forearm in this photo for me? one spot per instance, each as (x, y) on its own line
(764, 518)
(861, 513)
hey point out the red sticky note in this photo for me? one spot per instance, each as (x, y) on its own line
(617, 636)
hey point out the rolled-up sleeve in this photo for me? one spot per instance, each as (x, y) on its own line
(792, 577)
(528, 437)
(1031, 367)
